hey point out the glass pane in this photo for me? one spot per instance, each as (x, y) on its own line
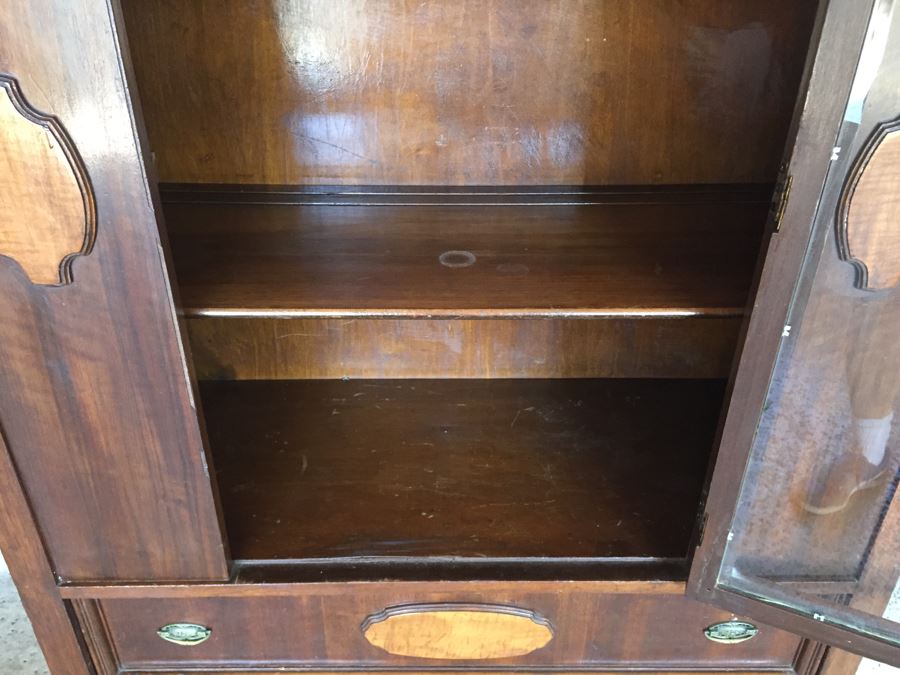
(818, 525)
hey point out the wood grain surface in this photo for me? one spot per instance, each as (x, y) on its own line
(47, 214)
(266, 585)
(456, 631)
(95, 402)
(241, 348)
(320, 630)
(795, 417)
(468, 93)
(25, 556)
(809, 158)
(472, 468)
(643, 254)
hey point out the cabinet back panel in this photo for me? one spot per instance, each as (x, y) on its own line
(468, 92)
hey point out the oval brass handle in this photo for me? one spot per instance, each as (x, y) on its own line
(731, 632)
(457, 631)
(185, 634)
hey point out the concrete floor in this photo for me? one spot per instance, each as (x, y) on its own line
(19, 652)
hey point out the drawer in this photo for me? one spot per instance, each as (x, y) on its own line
(475, 625)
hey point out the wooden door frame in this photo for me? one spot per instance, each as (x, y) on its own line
(840, 33)
(96, 394)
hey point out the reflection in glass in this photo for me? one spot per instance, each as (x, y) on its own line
(818, 525)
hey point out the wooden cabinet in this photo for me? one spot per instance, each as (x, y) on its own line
(475, 336)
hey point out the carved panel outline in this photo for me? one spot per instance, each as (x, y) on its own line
(843, 235)
(31, 256)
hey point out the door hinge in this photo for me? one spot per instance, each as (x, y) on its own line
(780, 201)
(702, 532)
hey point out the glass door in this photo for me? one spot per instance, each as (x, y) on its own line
(803, 525)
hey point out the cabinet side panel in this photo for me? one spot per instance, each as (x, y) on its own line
(24, 553)
(95, 401)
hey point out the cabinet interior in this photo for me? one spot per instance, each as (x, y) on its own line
(463, 281)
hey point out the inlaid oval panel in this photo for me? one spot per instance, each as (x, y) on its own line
(457, 631)
(46, 207)
(869, 225)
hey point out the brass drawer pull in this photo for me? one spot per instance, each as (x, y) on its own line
(185, 634)
(731, 632)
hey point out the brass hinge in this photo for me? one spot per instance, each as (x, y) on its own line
(702, 532)
(780, 201)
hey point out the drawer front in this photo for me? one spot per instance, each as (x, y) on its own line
(414, 626)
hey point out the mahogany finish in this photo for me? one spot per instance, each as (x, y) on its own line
(330, 348)
(97, 643)
(496, 468)
(95, 404)
(843, 30)
(510, 92)
(47, 216)
(267, 586)
(26, 558)
(821, 123)
(657, 253)
(322, 629)
(412, 190)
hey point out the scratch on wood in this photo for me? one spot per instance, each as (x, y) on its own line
(519, 412)
(335, 146)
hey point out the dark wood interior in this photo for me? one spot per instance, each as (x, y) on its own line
(669, 253)
(488, 468)
(640, 282)
(295, 421)
(510, 92)
(524, 231)
(261, 348)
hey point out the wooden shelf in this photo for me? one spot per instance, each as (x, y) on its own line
(686, 252)
(480, 469)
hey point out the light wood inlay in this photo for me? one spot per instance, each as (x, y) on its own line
(869, 231)
(457, 631)
(46, 210)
